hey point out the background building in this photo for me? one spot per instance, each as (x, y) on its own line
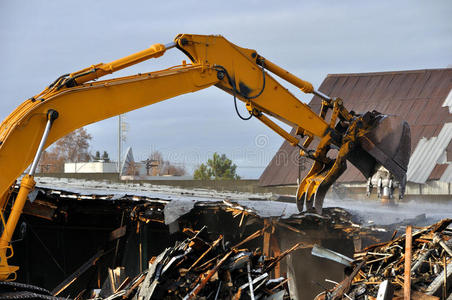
(422, 97)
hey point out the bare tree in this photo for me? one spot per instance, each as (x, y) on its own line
(73, 147)
(132, 169)
(157, 166)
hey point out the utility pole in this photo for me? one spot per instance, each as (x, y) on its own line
(122, 130)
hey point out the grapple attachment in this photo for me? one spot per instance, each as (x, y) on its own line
(369, 141)
(388, 144)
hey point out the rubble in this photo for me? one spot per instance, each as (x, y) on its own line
(199, 268)
(382, 271)
(106, 238)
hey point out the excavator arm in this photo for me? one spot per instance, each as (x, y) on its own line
(75, 100)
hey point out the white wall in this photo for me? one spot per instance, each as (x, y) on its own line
(90, 167)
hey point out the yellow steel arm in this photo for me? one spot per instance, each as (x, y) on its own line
(79, 105)
(82, 105)
(243, 69)
(76, 100)
(80, 101)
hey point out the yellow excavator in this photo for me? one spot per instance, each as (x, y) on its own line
(369, 141)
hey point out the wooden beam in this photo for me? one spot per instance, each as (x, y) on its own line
(276, 252)
(73, 277)
(118, 233)
(266, 246)
(408, 244)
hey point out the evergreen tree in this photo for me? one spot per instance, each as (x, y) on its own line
(219, 167)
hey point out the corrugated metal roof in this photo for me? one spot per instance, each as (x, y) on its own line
(420, 96)
(447, 175)
(448, 101)
(427, 154)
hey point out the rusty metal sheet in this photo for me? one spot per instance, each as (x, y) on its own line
(316, 107)
(433, 113)
(415, 111)
(444, 85)
(449, 151)
(438, 130)
(442, 115)
(393, 87)
(369, 90)
(328, 84)
(431, 84)
(416, 132)
(393, 108)
(348, 87)
(381, 107)
(382, 88)
(419, 84)
(438, 171)
(360, 88)
(405, 108)
(337, 89)
(361, 107)
(405, 86)
(428, 131)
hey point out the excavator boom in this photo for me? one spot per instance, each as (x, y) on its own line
(75, 100)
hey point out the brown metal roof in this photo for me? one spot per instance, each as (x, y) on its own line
(438, 171)
(416, 95)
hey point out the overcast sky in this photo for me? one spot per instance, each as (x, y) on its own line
(41, 40)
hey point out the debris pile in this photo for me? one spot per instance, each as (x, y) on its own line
(202, 268)
(379, 270)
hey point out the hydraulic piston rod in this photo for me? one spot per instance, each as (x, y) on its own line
(27, 184)
(303, 85)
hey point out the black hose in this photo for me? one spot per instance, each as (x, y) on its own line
(235, 91)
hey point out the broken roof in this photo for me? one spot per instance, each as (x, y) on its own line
(172, 202)
(422, 97)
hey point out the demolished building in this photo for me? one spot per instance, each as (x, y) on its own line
(84, 237)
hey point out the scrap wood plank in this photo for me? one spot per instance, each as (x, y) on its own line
(285, 253)
(116, 277)
(344, 286)
(73, 277)
(407, 277)
(434, 288)
(251, 237)
(277, 252)
(440, 226)
(118, 233)
(266, 245)
(135, 285)
(40, 209)
(207, 277)
(214, 244)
